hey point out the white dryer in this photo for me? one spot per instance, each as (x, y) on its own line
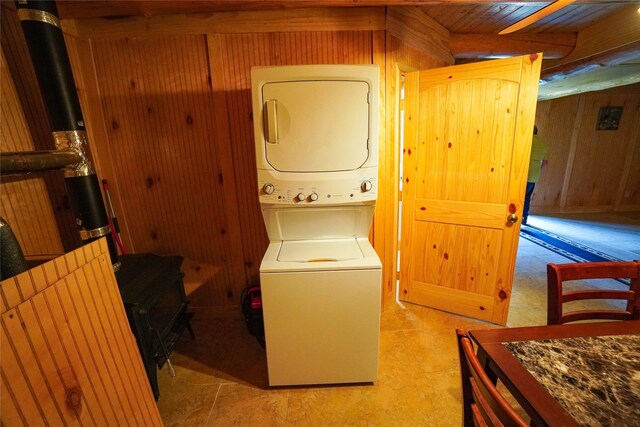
(316, 133)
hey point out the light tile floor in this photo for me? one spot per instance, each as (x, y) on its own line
(222, 375)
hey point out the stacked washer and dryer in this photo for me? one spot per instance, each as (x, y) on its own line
(316, 134)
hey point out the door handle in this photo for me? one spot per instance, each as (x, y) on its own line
(271, 121)
(513, 218)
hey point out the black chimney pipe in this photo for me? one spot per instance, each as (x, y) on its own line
(45, 40)
(12, 260)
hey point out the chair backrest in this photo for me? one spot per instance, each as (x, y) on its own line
(483, 405)
(557, 274)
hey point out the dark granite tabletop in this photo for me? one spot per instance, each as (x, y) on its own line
(596, 379)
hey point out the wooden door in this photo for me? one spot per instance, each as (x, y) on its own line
(468, 136)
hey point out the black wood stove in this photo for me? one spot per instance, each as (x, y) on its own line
(156, 305)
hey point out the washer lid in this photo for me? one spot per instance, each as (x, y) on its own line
(320, 250)
(316, 126)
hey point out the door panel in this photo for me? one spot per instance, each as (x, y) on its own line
(456, 257)
(468, 148)
(468, 137)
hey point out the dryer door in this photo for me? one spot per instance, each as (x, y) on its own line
(316, 126)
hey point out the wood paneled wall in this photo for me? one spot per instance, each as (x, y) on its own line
(401, 56)
(68, 354)
(25, 203)
(35, 205)
(589, 170)
(167, 102)
(157, 102)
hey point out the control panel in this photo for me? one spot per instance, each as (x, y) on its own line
(298, 192)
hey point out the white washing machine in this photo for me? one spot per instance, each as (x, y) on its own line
(316, 132)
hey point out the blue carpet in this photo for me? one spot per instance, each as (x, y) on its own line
(565, 247)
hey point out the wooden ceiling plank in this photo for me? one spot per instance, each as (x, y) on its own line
(490, 16)
(573, 18)
(559, 21)
(508, 19)
(464, 21)
(447, 16)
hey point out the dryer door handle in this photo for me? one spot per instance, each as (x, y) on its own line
(271, 121)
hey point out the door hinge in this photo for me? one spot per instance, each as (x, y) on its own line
(397, 275)
(399, 196)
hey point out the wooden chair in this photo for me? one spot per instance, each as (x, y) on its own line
(483, 405)
(557, 274)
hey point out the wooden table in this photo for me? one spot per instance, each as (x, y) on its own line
(525, 382)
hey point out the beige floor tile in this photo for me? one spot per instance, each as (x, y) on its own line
(331, 405)
(185, 404)
(238, 404)
(398, 317)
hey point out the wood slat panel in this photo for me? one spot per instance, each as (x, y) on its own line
(241, 52)
(57, 381)
(10, 294)
(9, 405)
(93, 395)
(67, 357)
(85, 346)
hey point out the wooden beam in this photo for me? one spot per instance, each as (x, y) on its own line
(330, 19)
(419, 31)
(609, 39)
(608, 58)
(482, 45)
(81, 9)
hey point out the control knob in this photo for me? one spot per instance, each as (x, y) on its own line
(366, 186)
(313, 197)
(268, 188)
(301, 197)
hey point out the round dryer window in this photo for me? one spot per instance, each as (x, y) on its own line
(316, 126)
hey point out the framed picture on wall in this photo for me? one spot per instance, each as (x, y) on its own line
(609, 118)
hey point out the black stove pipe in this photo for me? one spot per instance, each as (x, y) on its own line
(12, 259)
(45, 40)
